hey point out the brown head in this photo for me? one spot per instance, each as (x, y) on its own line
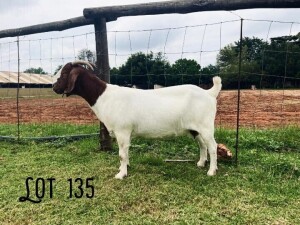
(76, 80)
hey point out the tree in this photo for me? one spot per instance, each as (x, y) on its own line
(38, 70)
(264, 64)
(207, 73)
(210, 70)
(143, 70)
(187, 71)
(228, 62)
(87, 55)
(160, 67)
(83, 54)
(281, 59)
(186, 66)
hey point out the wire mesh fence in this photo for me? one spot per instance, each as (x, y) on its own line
(157, 57)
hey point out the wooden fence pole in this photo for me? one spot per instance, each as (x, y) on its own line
(104, 73)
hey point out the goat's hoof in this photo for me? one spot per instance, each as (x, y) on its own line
(211, 172)
(120, 175)
(201, 163)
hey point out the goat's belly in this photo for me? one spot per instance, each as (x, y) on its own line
(157, 131)
(149, 134)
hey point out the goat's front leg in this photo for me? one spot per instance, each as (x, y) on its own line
(123, 140)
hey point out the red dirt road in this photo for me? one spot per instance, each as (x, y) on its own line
(257, 109)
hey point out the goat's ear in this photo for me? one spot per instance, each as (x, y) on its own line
(71, 82)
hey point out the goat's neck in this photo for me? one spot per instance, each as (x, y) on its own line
(90, 88)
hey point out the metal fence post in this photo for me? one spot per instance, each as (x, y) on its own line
(103, 74)
(18, 91)
(239, 95)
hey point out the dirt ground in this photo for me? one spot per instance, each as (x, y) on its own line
(257, 109)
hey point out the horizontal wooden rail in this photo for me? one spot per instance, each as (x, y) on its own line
(177, 6)
(47, 27)
(187, 6)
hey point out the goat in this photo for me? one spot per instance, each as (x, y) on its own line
(127, 112)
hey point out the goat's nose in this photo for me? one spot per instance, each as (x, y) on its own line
(54, 87)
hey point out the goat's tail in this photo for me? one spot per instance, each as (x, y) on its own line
(215, 90)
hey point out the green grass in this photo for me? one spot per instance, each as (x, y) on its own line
(44, 130)
(263, 189)
(27, 92)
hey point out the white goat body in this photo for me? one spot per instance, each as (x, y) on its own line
(176, 110)
(155, 113)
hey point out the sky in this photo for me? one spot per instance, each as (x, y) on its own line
(197, 36)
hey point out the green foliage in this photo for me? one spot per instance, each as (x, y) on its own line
(145, 70)
(264, 64)
(141, 69)
(38, 70)
(260, 59)
(187, 71)
(282, 58)
(185, 66)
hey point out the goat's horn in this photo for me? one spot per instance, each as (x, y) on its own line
(81, 62)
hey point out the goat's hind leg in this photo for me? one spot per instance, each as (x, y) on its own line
(203, 151)
(123, 140)
(212, 149)
(207, 142)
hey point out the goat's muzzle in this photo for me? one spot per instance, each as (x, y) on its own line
(57, 90)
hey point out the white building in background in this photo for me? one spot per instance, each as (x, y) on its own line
(10, 80)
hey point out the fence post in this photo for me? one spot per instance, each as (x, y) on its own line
(103, 72)
(239, 95)
(18, 91)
